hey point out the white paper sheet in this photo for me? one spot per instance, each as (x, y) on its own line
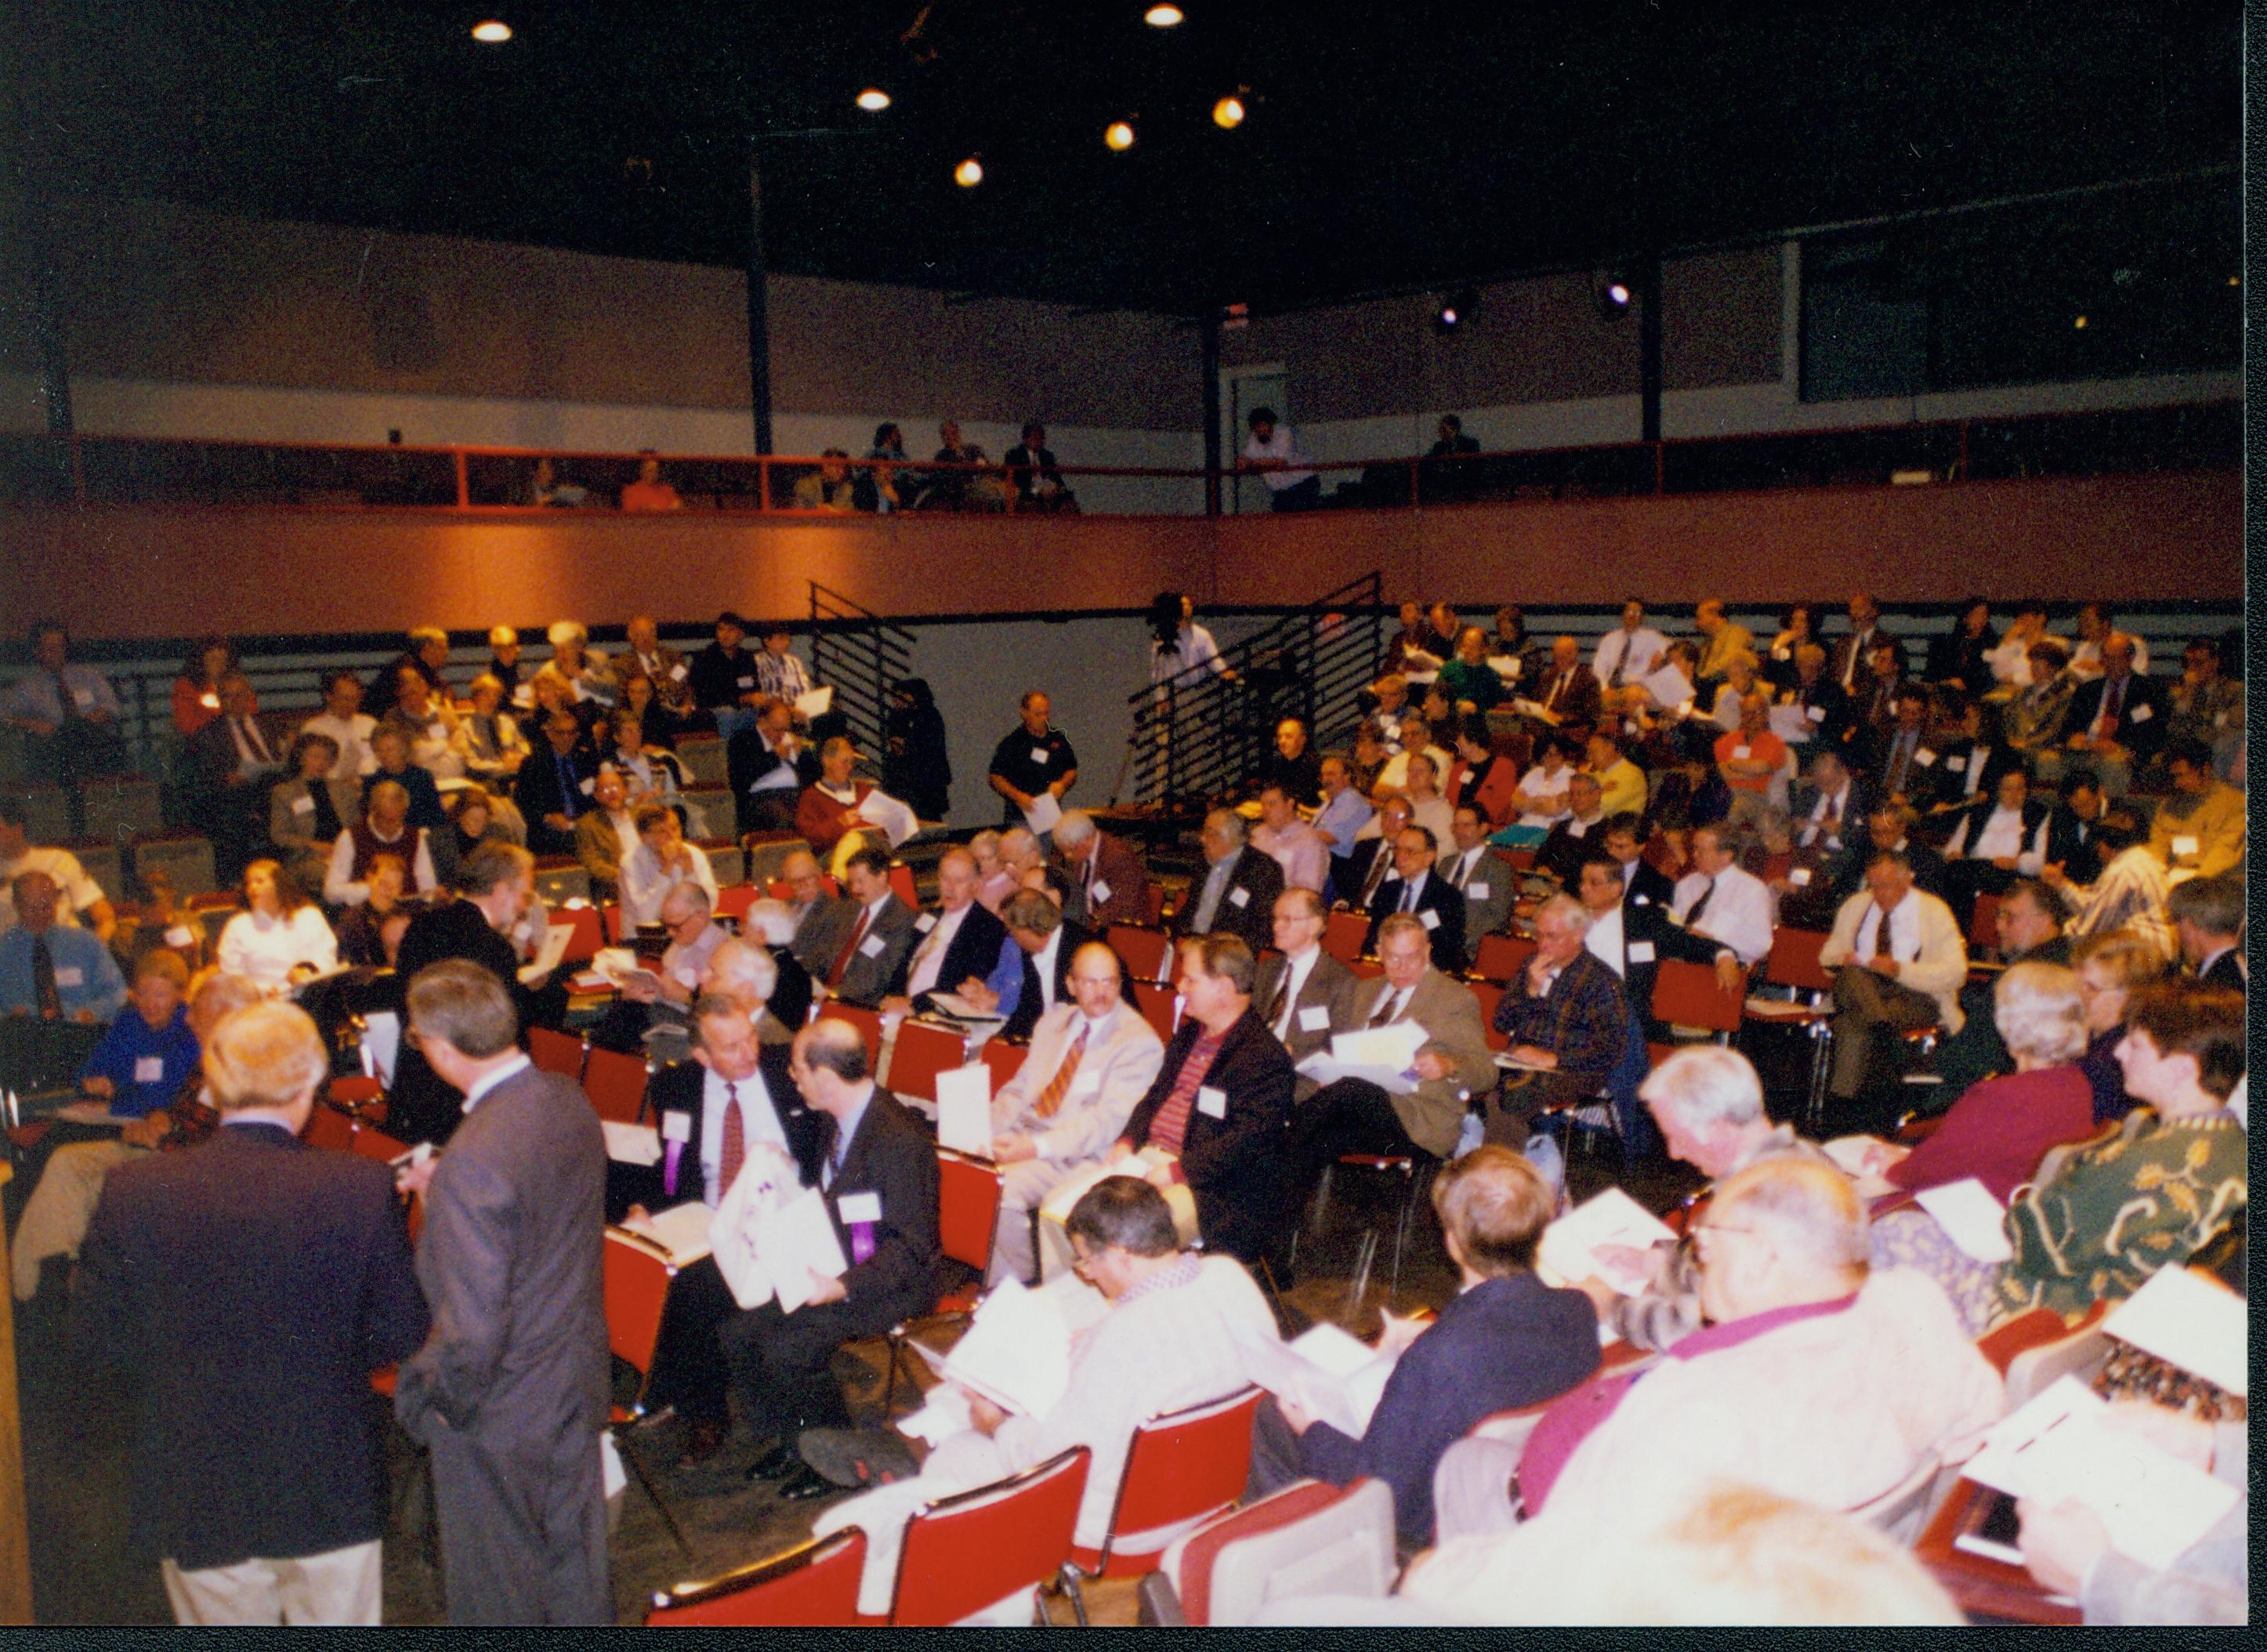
(556, 936)
(681, 1229)
(1791, 723)
(1044, 812)
(1016, 1352)
(964, 1109)
(1393, 1046)
(1332, 1375)
(631, 1143)
(1849, 1153)
(2185, 1319)
(1568, 1253)
(816, 703)
(1973, 1220)
(895, 819)
(381, 1044)
(795, 1238)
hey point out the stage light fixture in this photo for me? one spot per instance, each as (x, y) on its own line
(969, 173)
(2078, 324)
(1119, 135)
(1455, 310)
(1613, 293)
(1164, 16)
(492, 31)
(1227, 114)
(873, 100)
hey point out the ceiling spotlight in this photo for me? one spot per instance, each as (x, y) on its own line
(969, 173)
(2078, 323)
(1227, 114)
(1119, 135)
(873, 100)
(1613, 293)
(493, 32)
(2236, 281)
(1162, 17)
(1456, 309)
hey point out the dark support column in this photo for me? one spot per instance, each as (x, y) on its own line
(1211, 411)
(1648, 346)
(759, 338)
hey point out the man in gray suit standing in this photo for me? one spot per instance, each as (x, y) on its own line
(511, 1389)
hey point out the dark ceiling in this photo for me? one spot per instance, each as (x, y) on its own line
(1391, 146)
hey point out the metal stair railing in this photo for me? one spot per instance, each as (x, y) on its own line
(860, 655)
(1202, 734)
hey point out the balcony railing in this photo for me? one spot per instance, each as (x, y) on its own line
(109, 470)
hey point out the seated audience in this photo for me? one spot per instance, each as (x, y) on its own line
(1542, 798)
(828, 811)
(227, 769)
(1479, 775)
(1505, 1340)
(661, 859)
(994, 882)
(769, 926)
(280, 939)
(586, 676)
(2208, 915)
(362, 930)
(1305, 994)
(1238, 895)
(554, 787)
(1428, 808)
(427, 654)
(829, 488)
(606, 833)
(1723, 641)
(1035, 476)
(2117, 719)
(768, 766)
(1567, 1020)
(2111, 965)
(649, 492)
(2198, 832)
(2096, 625)
(2034, 720)
(1898, 961)
(384, 829)
(1721, 901)
(1369, 863)
(868, 937)
(347, 724)
(1568, 692)
(1576, 834)
(2009, 658)
(390, 760)
(546, 491)
(959, 940)
(1416, 888)
(308, 810)
(429, 722)
(144, 1058)
(52, 969)
(722, 678)
(649, 772)
(2206, 705)
(504, 661)
(475, 818)
(1474, 871)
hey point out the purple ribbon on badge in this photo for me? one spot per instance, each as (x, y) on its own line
(862, 1242)
(673, 1152)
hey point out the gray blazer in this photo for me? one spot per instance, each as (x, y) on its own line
(1484, 914)
(1329, 987)
(512, 1260)
(292, 829)
(866, 978)
(1434, 1113)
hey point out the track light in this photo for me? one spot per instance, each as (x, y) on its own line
(1227, 114)
(1162, 17)
(969, 173)
(1119, 135)
(873, 100)
(492, 31)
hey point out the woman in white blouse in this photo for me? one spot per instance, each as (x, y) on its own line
(1541, 798)
(280, 938)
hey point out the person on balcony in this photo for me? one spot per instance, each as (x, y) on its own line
(649, 492)
(1033, 473)
(1271, 455)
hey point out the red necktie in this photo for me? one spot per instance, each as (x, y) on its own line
(1058, 1086)
(849, 948)
(734, 1153)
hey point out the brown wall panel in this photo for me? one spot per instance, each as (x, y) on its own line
(129, 572)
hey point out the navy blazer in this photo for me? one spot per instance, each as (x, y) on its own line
(2143, 737)
(681, 1087)
(1235, 1165)
(1503, 1344)
(974, 949)
(1438, 897)
(251, 1284)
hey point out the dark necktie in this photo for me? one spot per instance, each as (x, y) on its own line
(734, 1152)
(1382, 1015)
(1881, 935)
(1701, 906)
(43, 978)
(1378, 862)
(1621, 661)
(1408, 896)
(570, 797)
(1899, 755)
(849, 947)
(2113, 704)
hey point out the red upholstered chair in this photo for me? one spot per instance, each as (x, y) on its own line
(781, 890)
(1794, 964)
(867, 1022)
(812, 1585)
(590, 934)
(330, 1126)
(1343, 933)
(1502, 957)
(733, 902)
(901, 880)
(1688, 995)
(1984, 924)
(1309, 1538)
(559, 1052)
(967, 1222)
(921, 1051)
(1489, 994)
(376, 1144)
(1181, 1468)
(1154, 910)
(610, 919)
(1147, 953)
(1004, 1058)
(1156, 1004)
(964, 1553)
(637, 1290)
(615, 1084)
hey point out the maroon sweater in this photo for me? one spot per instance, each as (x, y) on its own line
(2000, 1130)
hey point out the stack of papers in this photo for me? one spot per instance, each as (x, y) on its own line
(1852, 1153)
(1016, 1352)
(896, 821)
(96, 1113)
(1384, 1055)
(682, 1230)
(964, 1110)
(796, 1239)
(816, 703)
(2189, 1320)
(2062, 1445)
(1970, 1217)
(618, 966)
(1330, 1375)
(1568, 1253)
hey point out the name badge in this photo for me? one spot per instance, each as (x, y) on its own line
(687, 976)
(1799, 876)
(437, 730)
(2141, 713)
(1429, 918)
(1210, 1102)
(925, 923)
(1476, 892)
(589, 786)
(179, 935)
(1640, 951)
(86, 696)
(1817, 714)
(1087, 1083)
(1039, 755)
(1314, 1018)
(872, 946)
(1101, 893)
(1956, 765)
(302, 806)
(677, 672)
(1925, 758)
(148, 1070)
(1739, 751)
(2185, 846)
(69, 975)
(856, 1207)
(1239, 896)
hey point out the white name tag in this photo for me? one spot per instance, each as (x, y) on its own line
(1640, 900)
(925, 923)
(856, 1207)
(1210, 1102)
(1640, 951)
(1314, 1018)
(302, 806)
(1956, 765)
(748, 682)
(2142, 713)
(1239, 896)
(677, 672)
(69, 975)
(590, 786)
(148, 1070)
(677, 1126)
(1925, 758)
(2184, 846)
(179, 935)
(1101, 894)
(687, 976)
(85, 696)
(1817, 714)
(1476, 892)
(1039, 755)
(1799, 876)
(1739, 751)
(1088, 1082)
(1429, 918)
(872, 946)
(436, 729)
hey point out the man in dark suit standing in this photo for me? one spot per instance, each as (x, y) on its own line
(878, 1171)
(1416, 888)
(1220, 1103)
(511, 1391)
(734, 1093)
(251, 1285)
(877, 934)
(1238, 895)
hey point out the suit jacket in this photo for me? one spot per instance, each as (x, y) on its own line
(1447, 906)
(1583, 1020)
(2071, 844)
(1113, 1076)
(2140, 729)
(1848, 870)
(1487, 895)
(819, 934)
(1357, 864)
(1561, 854)
(422, 1107)
(1235, 1165)
(251, 1285)
(600, 848)
(1329, 987)
(1488, 788)
(1946, 782)
(1578, 701)
(1837, 658)
(1506, 1343)
(290, 827)
(1649, 937)
(1852, 828)
(536, 790)
(213, 759)
(681, 1087)
(1826, 697)
(867, 977)
(1643, 877)
(893, 1158)
(790, 1000)
(1434, 1113)
(1978, 815)
(1258, 879)
(512, 1259)
(718, 679)
(668, 688)
(973, 950)
(1118, 867)
(747, 760)
(2226, 971)
(1028, 1005)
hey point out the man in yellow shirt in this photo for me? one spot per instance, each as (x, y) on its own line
(2199, 831)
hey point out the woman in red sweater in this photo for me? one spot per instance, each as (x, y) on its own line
(2000, 1130)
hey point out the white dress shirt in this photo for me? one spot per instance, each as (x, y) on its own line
(1904, 929)
(511, 1068)
(1739, 913)
(1837, 804)
(1295, 971)
(759, 1122)
(2002, 835)
(1044, 962)
(340, 890)
(929, 957)
(1549, 788)
(1457, 866)
(1633, 652)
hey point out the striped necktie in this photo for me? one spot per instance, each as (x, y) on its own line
(1050, 1099)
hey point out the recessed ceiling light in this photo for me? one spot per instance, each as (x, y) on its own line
(969, 173)
(1228, 113)
(873, 100)
(1119, 135)
(492, 31)
(1162, 17)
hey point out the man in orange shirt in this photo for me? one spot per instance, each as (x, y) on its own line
(1749, 756)
(649, 492)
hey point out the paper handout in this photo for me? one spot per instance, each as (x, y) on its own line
(898, 822)
(1568, 1253)
(816, 703)
(964, 1109)
(682, 1230)
(1045, 812)
(1852, 1153)
(1016, 1352)
(631, 1143)
(1334, 1378)
(1382, 1055)
(796, 1239)
(1970, 1217)
(556, 936)
(2186, 1319)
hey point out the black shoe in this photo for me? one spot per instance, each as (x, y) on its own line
(854, 1458)
(803, 1485)
(776, 1461)
(704, 1437)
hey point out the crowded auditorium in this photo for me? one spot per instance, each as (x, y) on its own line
(1573, 949)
